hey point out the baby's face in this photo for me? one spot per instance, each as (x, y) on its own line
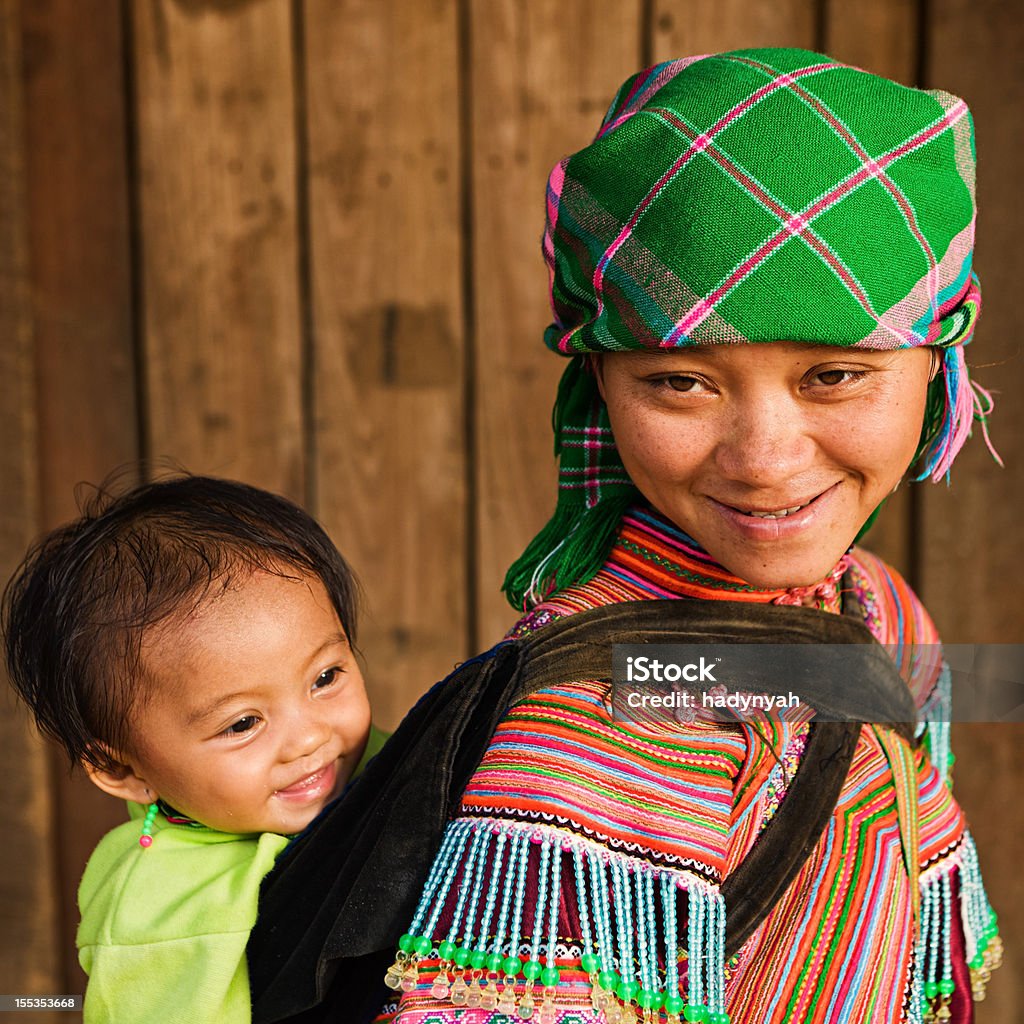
(258, 714)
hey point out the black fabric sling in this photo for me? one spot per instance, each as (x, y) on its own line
(333, 908)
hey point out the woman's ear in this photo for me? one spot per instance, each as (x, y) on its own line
(121, 781)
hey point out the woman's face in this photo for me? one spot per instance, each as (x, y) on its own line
(772, 456)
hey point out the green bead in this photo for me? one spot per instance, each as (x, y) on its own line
(695, 1012)
(477, 959)
(511, 965)
(718, 1018)
(445, 949)
(626, 990)
(947, 987)
(494, 962)
(646, 999)
(462, 956)
(951, 760)
(532, 970)
(405, 943)
(608, 980)
(977, 962)
(589, 963)
(931, 990)
(421, 944)
(549, 977)
(673, 1004)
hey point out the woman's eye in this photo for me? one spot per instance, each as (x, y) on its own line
(243, 725)
(327, 678)
(683, 383)
(833, 378)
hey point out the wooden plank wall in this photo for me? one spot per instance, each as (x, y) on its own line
(30, 952)
(297, 243)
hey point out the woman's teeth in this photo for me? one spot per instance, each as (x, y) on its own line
(779, 514)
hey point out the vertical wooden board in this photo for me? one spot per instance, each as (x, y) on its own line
(80, 250)
(684, 27)
(385, 256)
(215, 117)
(542, 76)
(80, 247)
(881, 36)
(971, 532)
(971, 540)
(28, 939)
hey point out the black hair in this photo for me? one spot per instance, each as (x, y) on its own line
(76, 609)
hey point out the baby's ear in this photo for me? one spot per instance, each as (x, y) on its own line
(119, 779)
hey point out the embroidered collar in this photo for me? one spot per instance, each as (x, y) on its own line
(652, 552)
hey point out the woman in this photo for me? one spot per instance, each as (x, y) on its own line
(761, 270)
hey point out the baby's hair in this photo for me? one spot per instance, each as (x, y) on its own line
(75, 611)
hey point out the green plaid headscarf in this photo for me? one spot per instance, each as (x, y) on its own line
(749, 197)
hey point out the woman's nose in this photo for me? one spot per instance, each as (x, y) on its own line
(764, 442)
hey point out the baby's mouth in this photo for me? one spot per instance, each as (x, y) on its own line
(308, 783)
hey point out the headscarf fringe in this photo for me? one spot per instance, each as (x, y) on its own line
(953, 407)
(570, 549)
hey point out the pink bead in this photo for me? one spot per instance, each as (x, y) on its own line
(145, 841)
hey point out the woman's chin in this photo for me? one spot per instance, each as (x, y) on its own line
(781, 570)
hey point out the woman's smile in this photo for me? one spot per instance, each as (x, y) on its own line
(772, 521)
(772, 456)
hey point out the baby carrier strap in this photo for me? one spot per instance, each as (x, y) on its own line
(334, 906)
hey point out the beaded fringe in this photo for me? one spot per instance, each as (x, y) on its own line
(933, 985)
(631, 952)
(938, 718)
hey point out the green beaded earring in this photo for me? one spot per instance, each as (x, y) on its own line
(146, 839)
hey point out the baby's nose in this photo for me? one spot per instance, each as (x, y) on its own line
(307, 733)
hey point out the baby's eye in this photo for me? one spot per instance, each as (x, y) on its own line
(327, 678)
(243, 725)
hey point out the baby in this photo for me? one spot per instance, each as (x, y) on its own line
(190, 644)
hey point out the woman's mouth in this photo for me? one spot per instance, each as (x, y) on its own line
(763, 522)
(777, 514)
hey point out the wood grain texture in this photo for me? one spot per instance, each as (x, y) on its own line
(542, 77)
(80, 270)
(881, 37)
(30, 955)
(389, 384)
(78, 217)
(684, 27)
(971, 538)
(216, 153)
(971, 529)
